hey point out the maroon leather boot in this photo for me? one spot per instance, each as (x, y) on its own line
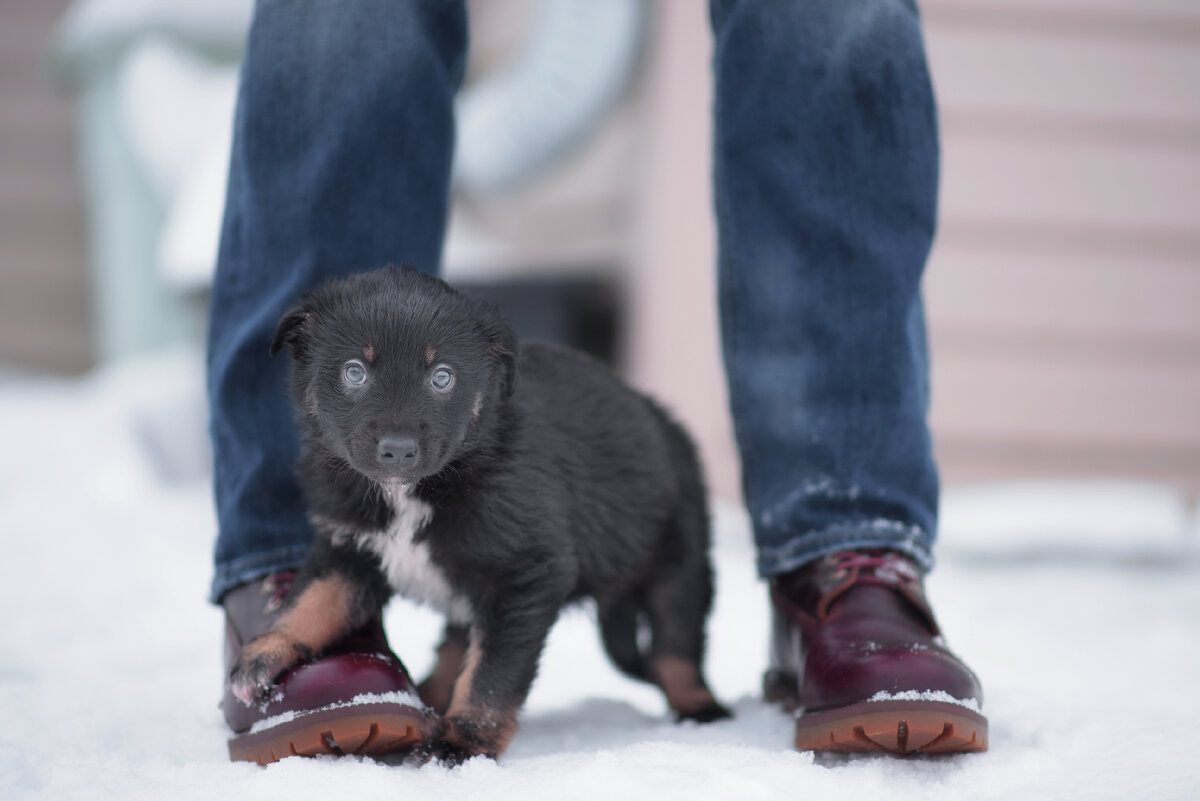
(855, 648)
(355, 699)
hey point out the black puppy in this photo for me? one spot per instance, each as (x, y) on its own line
(433, 472)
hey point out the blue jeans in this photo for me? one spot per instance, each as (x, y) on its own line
(825, 170)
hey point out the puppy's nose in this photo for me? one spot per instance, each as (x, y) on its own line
(397, 450)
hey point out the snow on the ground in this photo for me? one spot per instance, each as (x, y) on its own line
(110, 663)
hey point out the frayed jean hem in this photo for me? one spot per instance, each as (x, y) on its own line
(249, 568)
(908, 540)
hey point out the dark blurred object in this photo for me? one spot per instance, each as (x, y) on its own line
(45, 323)
(580, 312)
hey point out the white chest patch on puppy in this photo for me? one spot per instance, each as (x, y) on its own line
(406, 563)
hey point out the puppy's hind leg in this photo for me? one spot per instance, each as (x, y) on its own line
(438, 686)
(678, 595)
(677, 604)
(622, 623)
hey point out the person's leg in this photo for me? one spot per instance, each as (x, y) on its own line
(826, 169)
(341, 162)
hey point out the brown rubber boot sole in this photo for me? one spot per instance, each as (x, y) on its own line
(362, 729)
(896, 727)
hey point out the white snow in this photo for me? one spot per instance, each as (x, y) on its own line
(927, 695)
(395, 697)
(110, 659)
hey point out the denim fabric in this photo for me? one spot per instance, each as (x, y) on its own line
(343, 141)
(825, 169)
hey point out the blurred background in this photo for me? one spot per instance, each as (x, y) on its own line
(1063, 294)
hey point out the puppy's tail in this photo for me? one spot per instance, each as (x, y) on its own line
(619, 627)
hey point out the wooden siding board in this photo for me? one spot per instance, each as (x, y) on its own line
(1059, 74)
(1107, 20)
(1102, 296)
(1080, 184)
(966, 462)
(1059, 400)
(1155, 9)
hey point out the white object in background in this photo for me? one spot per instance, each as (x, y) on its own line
(178, 113)
(191, 233)
(173, 102)
(92, 30)
(578, 60)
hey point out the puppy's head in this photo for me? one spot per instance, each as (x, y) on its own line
(394, 370)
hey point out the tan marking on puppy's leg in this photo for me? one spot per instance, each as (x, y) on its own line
(320, 614)
(460, 699)
(438, 686)
(681, 683)
(318, 617)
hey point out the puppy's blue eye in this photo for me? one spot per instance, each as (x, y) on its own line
(354, 373)
(442, 379)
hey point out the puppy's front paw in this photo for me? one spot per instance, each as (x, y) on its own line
(262, 661)
(461, 738)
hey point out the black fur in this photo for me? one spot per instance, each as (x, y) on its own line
(553, 486)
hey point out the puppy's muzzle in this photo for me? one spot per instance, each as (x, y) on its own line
(395, 451)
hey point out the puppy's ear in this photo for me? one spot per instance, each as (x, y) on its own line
(506, 351)
(292, 330)
(503, 344)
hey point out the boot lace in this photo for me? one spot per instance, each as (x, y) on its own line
(874, 566)
(277, 586)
